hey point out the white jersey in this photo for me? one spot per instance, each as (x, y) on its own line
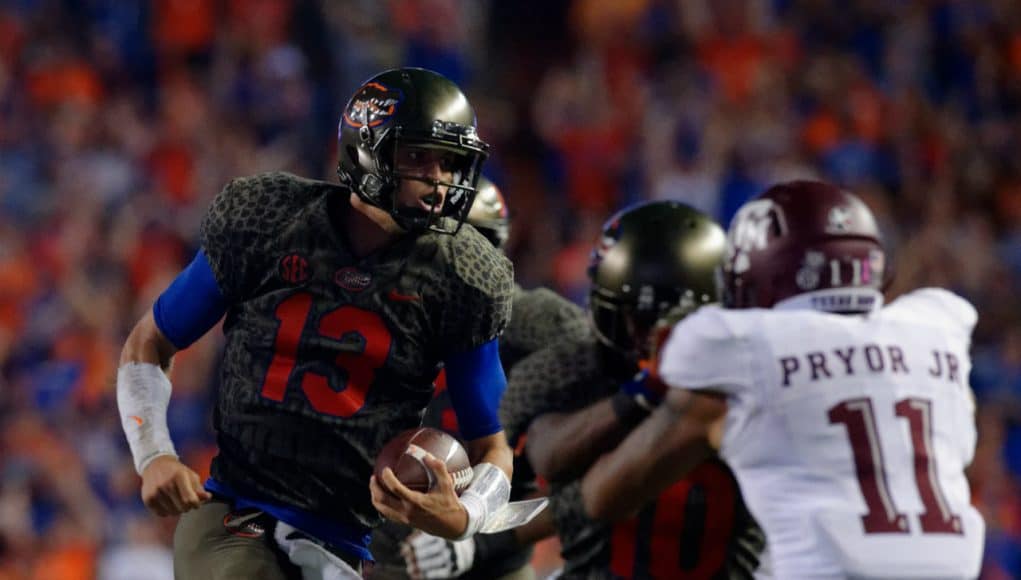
(849, 435)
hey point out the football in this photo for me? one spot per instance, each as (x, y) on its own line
(405, 455)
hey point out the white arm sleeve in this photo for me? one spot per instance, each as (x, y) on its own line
(143, 395)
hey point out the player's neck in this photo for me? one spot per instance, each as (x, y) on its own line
(368, 229)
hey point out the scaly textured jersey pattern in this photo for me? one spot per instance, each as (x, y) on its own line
(328, 355)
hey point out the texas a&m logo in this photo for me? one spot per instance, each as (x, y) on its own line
(750, 232)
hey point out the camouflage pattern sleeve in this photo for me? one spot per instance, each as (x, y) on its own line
(560, 377)
(241, 224)
(477, 306)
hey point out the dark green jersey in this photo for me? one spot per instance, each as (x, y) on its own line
(698, 528)
(328, 355)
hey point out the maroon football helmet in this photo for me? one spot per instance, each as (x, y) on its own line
(807, 239)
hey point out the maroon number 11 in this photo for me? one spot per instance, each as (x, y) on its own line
(858, 416)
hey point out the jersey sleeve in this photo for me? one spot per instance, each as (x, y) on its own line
(242, 224)
(703, 352)
(232, 226)
(541, 317)
(477, 307)
(939, 304)
(191, 305)
(554, 379)
(475, 381)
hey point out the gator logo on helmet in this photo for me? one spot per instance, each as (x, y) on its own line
(372, 105)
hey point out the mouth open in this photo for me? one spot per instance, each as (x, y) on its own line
(431, 202)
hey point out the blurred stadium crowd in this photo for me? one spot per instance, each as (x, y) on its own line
(120, 120)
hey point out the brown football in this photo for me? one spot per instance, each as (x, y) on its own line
(404, 454)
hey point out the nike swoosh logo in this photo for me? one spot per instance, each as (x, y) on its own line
(245, 525)
(136, 419)
(236, 520)
(398, 297)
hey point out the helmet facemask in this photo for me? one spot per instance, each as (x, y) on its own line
(626, 324)
(380, 186)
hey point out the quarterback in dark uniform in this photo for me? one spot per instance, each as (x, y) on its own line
(342, 303)
(577, 399)
(539, 317)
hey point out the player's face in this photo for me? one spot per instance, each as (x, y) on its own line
(426, 168)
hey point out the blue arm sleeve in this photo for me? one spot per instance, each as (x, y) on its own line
(476, 383)
(191, 305)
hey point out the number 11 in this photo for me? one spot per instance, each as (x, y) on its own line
(859, 418)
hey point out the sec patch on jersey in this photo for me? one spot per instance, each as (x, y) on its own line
(405, 455)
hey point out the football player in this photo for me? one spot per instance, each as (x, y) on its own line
(847, 423)
(342, 302)
(539, 317)
(578, 399)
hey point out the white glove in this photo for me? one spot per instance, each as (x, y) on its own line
(429, 556)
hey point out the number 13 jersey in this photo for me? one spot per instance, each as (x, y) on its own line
(329, 355)
(849, 435)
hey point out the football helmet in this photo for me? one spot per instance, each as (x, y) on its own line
(652, 258)
(410, 107)
(489, 213)
(805, 239)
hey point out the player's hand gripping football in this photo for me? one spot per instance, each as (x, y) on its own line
(437, 512)
(170, 488)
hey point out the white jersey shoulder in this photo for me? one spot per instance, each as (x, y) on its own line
(935, 306)
(707, 350)
(849, 435)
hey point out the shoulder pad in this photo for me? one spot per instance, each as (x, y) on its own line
(939, 304)
(245, 219)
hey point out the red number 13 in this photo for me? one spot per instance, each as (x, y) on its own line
(360, 367)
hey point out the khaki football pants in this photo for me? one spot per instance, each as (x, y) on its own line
(204, 549)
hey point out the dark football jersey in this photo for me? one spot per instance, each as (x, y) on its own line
(539, 317)
(329, 355)
(698, 528)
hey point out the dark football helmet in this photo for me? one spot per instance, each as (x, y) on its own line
(652, 258)
(807, 239)
(489, 213)
(410, 107)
